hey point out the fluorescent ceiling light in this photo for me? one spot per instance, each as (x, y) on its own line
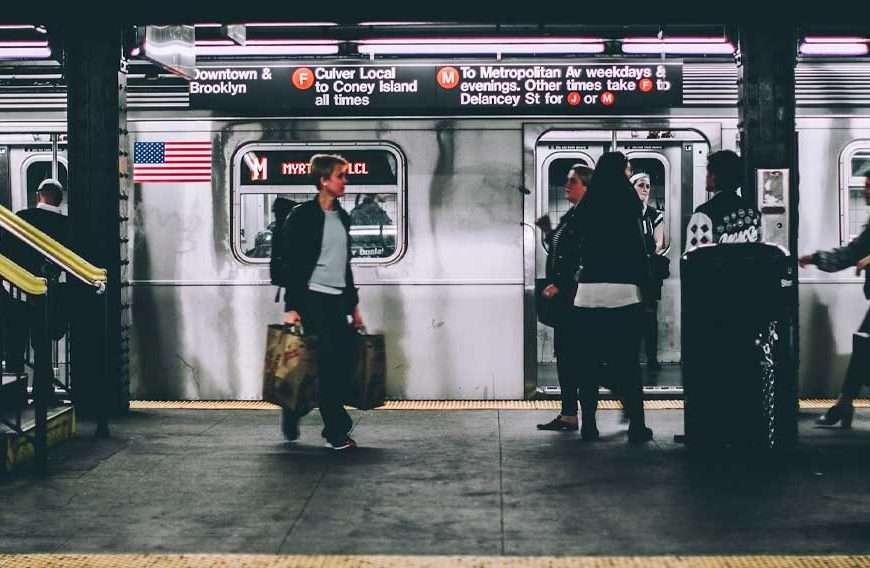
(267, 47)
(290, 24)
(273, 24)
(685, 46)
(23, 43)
(395, 23)
(825, 48)
(834, 39)
(412, 46)
(24, 50)
(651, 39)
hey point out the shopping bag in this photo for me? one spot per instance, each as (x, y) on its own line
(368, 388)
(290, 369)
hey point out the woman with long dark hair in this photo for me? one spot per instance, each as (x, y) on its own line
(613, 272)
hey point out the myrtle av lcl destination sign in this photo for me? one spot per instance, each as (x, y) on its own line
(439, 90)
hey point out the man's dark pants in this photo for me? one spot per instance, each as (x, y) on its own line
(325, 316)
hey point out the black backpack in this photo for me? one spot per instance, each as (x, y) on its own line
(281, 208)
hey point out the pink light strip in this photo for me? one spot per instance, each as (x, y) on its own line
(24, 52)
(690, 40)
(680, 48)
(267, 47)
(834, 39)
(480, 40)
(833, 49)
(431, 46)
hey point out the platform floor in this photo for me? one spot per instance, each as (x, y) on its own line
(476, 482)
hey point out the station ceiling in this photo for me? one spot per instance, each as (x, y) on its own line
(841, 13)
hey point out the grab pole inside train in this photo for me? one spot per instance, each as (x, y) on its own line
(54, 156)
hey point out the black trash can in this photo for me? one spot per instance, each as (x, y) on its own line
(738, 333)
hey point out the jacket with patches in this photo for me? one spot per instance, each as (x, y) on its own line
(726, 218)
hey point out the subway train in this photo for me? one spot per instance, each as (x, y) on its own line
(447, 274)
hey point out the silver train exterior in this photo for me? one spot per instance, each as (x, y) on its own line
(456, 300)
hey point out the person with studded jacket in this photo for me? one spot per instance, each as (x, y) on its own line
(563, 261)
(726, 217)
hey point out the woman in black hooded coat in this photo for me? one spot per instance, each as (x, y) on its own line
(613, 274)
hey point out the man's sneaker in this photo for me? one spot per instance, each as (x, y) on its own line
(558, 424)
(346, 444)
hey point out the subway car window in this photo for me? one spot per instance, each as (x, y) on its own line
(274, 178)
(372, 215)
(557, 174)
(38, 171)
(857, 211)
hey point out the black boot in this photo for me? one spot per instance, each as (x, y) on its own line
(637, 430)
(639, 434)
(588, 428)
(289, 425)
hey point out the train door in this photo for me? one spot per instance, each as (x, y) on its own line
(675, 161)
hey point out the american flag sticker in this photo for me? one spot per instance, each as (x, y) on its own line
(171, 162)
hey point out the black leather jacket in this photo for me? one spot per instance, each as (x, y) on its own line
(302, 239)
(563, 256)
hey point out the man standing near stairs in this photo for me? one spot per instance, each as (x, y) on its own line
(47, 217)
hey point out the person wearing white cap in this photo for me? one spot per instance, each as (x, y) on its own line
(654, 238)
(46, 217)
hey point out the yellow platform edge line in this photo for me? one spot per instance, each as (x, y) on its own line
(440, 404)
(347, 561)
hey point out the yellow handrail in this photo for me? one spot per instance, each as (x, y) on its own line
(21, 278)
(67, 259)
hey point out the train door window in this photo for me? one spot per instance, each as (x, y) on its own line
(272, 176)
(656, 167)
(39, 169)
(557, 175)
(854, 207)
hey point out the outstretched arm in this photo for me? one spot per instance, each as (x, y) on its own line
(841, 257)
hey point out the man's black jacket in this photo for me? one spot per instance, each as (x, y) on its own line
(53, 224)
(302, 239)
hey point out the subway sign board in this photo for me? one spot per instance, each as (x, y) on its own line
(292, 167)
(439, 90)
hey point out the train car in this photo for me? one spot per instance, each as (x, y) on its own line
(448, 273)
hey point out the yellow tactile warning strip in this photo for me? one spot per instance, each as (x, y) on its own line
(440, 404)
(825, 403)
(322, 561)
